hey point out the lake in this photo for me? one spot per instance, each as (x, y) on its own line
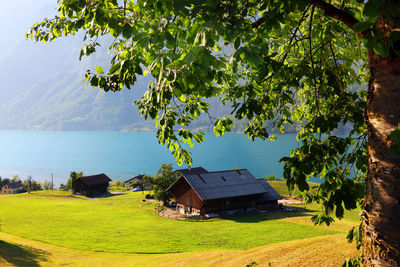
(123, 155)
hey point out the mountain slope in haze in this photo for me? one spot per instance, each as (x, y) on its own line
(42, 88)
(41, 84)
(62, 102)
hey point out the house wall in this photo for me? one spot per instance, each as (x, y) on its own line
(93, 190)
(218, 205)
(8, 190)
(185, 196)
(188, 202)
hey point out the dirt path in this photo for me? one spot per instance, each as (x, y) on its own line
(289, 201)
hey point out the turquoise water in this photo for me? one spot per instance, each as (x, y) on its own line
(123, 155)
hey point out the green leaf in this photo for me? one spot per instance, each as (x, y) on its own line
(253, 59)
(370, 10)
(138, 70)
(127, 31)
(302, 184)
(114, 68)
(339, 211)
(350, 235)
(396, 135)
(237, 43)
(182, 98)
(190, 142)
(99, 70)
(362, 26)
(381, 48)
(395, 147)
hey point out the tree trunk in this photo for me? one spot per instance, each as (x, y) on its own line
(381, 214)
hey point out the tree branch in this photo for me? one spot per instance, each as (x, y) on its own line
(258, 22)
(338, 14)
(294, 34)
(312, 63)
(329, 11)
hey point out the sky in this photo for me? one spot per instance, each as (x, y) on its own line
(16, 17)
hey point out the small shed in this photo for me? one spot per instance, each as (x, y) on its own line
(92, 185)
(198, 191)
(12, 188)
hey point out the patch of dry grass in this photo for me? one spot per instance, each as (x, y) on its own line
(329, 250)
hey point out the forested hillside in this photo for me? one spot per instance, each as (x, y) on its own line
(42, 84)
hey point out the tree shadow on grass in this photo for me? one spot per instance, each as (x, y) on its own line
(19, 255)
(276, 215)
(111, 195)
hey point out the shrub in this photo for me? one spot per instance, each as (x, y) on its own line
(149, 196)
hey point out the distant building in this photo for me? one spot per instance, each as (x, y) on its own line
(137, 182)
(198, 191)
(92, 185)
(12, 188)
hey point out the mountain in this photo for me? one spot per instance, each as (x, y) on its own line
(42, 88)
(62, 102)
(42, 84)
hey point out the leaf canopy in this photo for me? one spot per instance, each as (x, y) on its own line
(279, 64)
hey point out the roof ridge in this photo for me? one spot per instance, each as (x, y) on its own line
(225, 171)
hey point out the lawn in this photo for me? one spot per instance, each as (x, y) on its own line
(129, 225)
(283, 190)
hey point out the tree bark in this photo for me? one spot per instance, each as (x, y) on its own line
(381, 214)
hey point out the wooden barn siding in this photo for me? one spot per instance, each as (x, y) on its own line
(234, 203)
(184, 194)
(90, 190)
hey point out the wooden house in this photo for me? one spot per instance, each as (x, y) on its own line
(198, 191)
(92, 185)
(137, 182)
(12, 188)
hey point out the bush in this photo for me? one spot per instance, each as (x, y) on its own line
(149, 196)
(113, 188)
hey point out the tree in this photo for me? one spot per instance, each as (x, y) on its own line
(73, 176)
(47, 185)
(36, 186)
(15, 178)
(161, 181)
(28, 184)
(116, 183)
(279, 64)
(148, 181)
(62, 187)
(4, 181)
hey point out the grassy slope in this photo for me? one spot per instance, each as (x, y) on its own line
(130, 226)
(328, 250)
(282, 189)
(211, 242)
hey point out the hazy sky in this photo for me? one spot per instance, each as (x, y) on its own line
(17, 16)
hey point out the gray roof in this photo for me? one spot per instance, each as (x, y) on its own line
(15, 185)
(196, 170)
(224, 184)
(95, 179)
(138, 179)
(271, 194)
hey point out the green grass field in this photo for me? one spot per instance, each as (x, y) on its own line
(283, 190)
(124, 223)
